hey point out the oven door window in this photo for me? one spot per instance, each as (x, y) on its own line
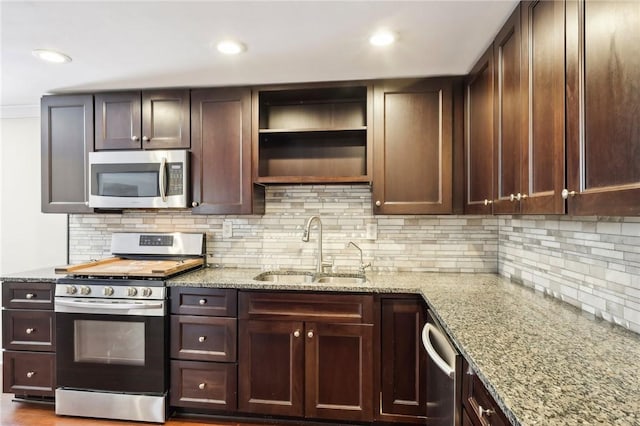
(109, 342)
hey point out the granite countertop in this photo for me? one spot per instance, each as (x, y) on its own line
(544, 361)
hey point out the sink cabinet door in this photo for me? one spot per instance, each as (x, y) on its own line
(271, 367)
(339, 371)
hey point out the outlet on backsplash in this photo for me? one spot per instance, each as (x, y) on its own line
(227, 229)
(372, 231)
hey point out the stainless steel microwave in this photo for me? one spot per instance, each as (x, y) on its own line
(138, 179)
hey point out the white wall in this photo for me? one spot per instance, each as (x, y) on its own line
(29, 239)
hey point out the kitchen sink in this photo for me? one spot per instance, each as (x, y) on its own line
(342, 279)
(285, 277)
(299, 277)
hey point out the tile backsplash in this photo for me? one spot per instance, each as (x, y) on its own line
(403, 243)
(590, 262)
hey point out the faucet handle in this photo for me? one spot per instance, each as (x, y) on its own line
(327, 264)
(363, 267)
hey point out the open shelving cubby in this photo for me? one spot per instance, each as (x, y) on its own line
(313, 135)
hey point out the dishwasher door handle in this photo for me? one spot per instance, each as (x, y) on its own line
(430, 332)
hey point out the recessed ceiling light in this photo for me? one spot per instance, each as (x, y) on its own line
(230, 47)
(51, 56)
(382, 38)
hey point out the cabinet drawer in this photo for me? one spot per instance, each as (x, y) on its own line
(28, 330)
(29, 373)
(204, 301)
(16, 295)
(209, 385)
(336, 308)
(479, 405)
(203, 338)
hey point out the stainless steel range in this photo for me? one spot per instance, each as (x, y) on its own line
(112, 327)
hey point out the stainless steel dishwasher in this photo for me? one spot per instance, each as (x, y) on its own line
(443, 376)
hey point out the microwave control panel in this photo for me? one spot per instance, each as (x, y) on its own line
(175, 174)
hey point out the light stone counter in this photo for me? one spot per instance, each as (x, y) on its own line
(545, 362)
(42, 275)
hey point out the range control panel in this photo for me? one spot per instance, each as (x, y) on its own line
(156, 240)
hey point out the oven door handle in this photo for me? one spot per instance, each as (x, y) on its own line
(110, 306)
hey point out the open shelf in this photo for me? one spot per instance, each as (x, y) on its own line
(312, 135)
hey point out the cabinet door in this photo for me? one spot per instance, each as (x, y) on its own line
(203, 338)
(479, 136)
(66, 140)
(118, 121)
(402, 360)
(208, 385)
(221, 151)
(339, 371)
(412, 171)
(271, 367)
(29, 373)
(507, 118)
(478, 404)
(28, 330)
(603, 118)
(165, 119)
(543, 97)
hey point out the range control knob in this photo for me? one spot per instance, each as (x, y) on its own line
(146, 292)
(107, 291)
(132, 291)
(71, 289)
(84, 290)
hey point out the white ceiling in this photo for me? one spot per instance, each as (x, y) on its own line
(145, 44)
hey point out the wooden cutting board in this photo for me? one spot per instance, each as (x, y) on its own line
(115, 266)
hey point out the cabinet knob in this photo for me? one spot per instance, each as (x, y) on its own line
(195, 204)
(512, 198)
(566, 193)
(485, 412)
(30, 374)
(30, 296)
(30, 330)
(135, 138)
(296, 333)
(202, 301)
(378, 203)
(202, 339)
(487, 202)
(310, 334)
(146, 139)
(202, 386)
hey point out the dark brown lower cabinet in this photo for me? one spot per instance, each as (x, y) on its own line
(29, 340)
(299, 363)
(478, 406)
(402, 382)
(204, 371)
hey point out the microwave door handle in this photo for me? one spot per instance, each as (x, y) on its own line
(162, 178)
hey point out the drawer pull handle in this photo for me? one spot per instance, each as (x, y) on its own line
(310, 334)
(202, 339)
(30, 330)
(201, 386)
(296, 333)
(485, 412)
(30, 374)
(30, 296)
(202, 301)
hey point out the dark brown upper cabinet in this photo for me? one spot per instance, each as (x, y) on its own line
(603, 114)
(413, 142)
(543, 112)
(479, 136)
(507, 116)
(154, 119)
(311, 134)
(221, 153)
(66, 140)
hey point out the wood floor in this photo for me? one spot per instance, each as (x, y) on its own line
(28, 414)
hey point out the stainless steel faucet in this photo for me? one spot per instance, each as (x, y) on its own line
(320, 264)
(362, 265)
